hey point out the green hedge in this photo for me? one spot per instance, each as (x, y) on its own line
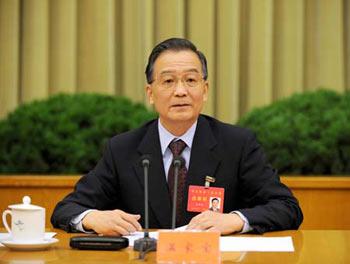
(65, 133)
(307, 134)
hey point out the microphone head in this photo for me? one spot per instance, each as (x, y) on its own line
(178, 161)
(145, 160)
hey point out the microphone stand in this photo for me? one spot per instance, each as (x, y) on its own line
(145, 244)
(177, 164)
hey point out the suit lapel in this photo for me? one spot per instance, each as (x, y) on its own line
(159, 199)
(204, 158)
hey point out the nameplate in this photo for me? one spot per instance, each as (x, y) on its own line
(188, 246)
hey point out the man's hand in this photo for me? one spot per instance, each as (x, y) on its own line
(112, 223)
(225, 223)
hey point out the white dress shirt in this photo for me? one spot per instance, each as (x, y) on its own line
(166, 138)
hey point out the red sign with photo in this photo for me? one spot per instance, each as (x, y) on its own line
(202, 198)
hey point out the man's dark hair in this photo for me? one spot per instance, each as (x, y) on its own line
(212, 200)
(174, 44)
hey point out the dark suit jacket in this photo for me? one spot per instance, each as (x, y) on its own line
(228, 153)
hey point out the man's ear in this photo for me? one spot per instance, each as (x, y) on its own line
(149, 94)
(205, 92)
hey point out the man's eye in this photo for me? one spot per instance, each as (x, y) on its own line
(168, 81)
(191, 81)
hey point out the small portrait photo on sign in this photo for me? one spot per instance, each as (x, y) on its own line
(214, 204)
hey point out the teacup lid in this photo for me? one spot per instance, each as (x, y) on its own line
(25, 205)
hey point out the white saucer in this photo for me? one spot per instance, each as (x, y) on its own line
(29, 245)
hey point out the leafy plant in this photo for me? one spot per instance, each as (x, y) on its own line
(306, 134)
(65, 133)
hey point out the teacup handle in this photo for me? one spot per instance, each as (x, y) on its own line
(4, 214)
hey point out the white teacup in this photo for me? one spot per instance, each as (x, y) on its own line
(27, 222)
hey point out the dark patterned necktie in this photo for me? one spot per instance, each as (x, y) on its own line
(176, 148)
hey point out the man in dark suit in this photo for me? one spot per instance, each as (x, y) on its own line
(110, 200)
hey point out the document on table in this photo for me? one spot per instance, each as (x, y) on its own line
(230, 244)
(267, 244)
(136, 235)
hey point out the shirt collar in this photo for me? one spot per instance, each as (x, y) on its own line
(166, 137)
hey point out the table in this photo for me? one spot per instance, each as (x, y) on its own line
(311, 246)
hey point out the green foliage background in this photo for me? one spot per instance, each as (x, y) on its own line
(306, 134)
(65, 133)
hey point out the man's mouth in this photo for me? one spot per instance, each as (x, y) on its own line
(180, 105)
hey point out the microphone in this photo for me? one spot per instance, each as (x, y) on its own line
(177, 162)
(146, 243)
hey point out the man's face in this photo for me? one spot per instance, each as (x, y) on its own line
(178, 90)
(215, 203)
